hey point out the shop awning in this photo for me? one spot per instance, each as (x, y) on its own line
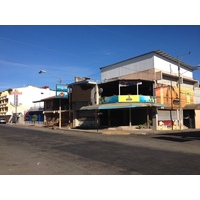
(109, 106)
(192, 107)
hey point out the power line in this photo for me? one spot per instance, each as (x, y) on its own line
(127, 36)
(41, 47)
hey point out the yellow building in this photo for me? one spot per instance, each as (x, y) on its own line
(6, 109)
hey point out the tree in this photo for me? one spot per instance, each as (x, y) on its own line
(34, 118)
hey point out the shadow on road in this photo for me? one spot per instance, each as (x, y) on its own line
(185, 136)
(133, 159)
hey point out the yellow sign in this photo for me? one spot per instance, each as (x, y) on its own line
(187, 97)
(129, 98)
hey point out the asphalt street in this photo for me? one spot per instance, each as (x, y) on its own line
(31, 150)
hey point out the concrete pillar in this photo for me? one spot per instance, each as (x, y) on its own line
(148, 117)
(155, 119)
(130, 120)
(109, 123)
(97, 94)
(45, 119)
(124, 117)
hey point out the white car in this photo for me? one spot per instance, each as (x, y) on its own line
(2, 121)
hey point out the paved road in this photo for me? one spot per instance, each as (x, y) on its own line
(34, 150)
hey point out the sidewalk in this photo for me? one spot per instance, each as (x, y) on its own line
(123, 130)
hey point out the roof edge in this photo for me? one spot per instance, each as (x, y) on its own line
(160, 53)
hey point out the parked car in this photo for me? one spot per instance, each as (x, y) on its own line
(2, 121)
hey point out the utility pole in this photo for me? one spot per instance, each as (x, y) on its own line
(60, 113)
(179, 89)
(69, 96)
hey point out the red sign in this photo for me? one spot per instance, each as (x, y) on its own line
(16, 93)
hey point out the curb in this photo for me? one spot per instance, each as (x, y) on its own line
(112, 131)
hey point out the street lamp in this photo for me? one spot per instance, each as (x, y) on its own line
(196, 67)
(69, 92)
(179, 83)
(43, 71)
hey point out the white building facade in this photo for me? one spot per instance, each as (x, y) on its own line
(20, 100)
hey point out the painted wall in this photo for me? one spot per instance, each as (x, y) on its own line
(166, 94)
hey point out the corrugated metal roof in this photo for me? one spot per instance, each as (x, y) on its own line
(162, 54)
(169, 57)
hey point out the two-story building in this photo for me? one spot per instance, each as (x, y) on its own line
(82, 92)
(165, 82)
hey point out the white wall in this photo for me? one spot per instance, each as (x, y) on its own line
(130, 66)
(197, 95)
(29, 94)
(165, 65)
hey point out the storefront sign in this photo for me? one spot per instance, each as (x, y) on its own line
(147, 99)
(16, 92)
(129, 98)
(60, 94)
(187, 97)
(61, 91)
(137, 98)
(16, 99)
(112, 99)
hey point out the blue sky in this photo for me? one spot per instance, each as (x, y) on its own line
(72, 50)
(68, 51)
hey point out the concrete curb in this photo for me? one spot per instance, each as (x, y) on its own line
(112, 131)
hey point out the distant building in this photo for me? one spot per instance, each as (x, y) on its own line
(16, 104)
